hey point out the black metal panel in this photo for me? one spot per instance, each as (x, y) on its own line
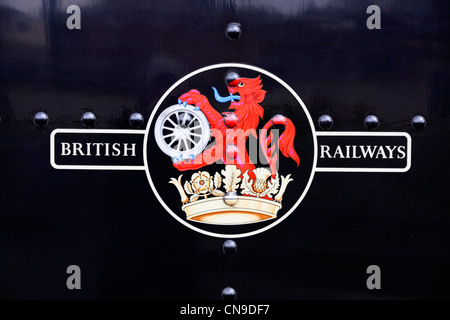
(122, 60)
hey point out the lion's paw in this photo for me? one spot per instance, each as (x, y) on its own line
(192, 97)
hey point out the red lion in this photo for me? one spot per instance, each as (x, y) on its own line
(231, 139)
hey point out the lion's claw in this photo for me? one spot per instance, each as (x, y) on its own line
(183, 103)
(177, 159)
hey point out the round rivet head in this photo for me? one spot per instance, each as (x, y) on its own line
(371, 122)
(230, 198)
(88, 119)
(232, 78)
(40, 119)
(231, 151)
(233, 31)
(136, 120)
(184, 119)
(229, 247)
(228, 293)
(325, 122)
(230, 119)
(418, 122)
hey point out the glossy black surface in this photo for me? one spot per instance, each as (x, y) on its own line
(123, 59)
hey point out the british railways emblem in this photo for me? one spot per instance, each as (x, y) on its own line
(238, 160)
(230, 150)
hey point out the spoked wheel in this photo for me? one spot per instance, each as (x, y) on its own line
(182, 132)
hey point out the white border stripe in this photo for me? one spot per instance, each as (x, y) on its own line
(90, 167)
(369, 134)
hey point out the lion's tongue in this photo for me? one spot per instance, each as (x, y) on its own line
(221, 99)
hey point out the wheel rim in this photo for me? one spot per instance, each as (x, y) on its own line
(182, 132)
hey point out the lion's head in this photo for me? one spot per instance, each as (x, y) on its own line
(251, 95)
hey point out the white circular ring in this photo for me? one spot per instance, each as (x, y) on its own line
(311, 124)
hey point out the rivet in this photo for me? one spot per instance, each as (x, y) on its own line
(233, 31)
(88, 119)
(279, 119)
(325, 122)
(371, 122)
(184, 119)
(231, 76)
(230, 198)
(40, 119)
(136, 120)
(418, 122)
(228, 293)
(231, 151)
(229, 247)
(230, 119)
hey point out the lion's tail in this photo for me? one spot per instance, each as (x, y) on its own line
(285, 142)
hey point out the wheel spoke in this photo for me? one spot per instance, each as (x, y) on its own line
(173, 140)
(195, 134)
(173, 123)
(169, 128)
(191, 142)
(192, 120)
(195, 143)
(186, 145)
(168, 135)
(199, 126)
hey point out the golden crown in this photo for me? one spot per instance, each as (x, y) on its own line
(260, 198)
